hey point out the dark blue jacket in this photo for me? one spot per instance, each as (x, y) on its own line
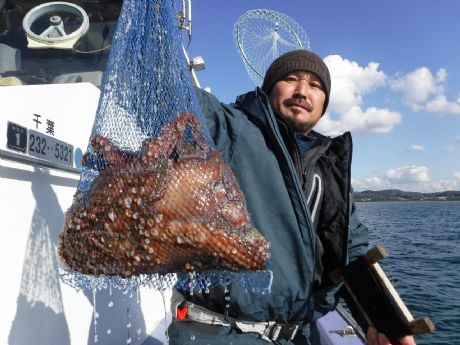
(262, 152)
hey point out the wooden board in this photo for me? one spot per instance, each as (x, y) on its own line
(377, 299)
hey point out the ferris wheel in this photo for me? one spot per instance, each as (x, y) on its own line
(262, 35)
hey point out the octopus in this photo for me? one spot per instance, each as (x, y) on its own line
(174, 206)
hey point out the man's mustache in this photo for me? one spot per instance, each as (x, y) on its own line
(299, 102)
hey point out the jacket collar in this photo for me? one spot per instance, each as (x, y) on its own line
(257, 106)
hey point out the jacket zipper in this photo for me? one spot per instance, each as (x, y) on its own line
(294, 170)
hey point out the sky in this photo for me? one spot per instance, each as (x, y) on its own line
(395, 70)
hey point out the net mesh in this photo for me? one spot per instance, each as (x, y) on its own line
(155, 197)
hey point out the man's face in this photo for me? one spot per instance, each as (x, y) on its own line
(299, 99)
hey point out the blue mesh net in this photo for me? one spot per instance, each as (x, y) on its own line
(155, 198)
(146, 83)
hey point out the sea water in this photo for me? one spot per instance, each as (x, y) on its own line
(423, 241)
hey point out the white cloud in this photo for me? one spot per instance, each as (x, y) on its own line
(372, 120)
(417, 148)
(457, 139)
(418, 86)
(371, 183)
(444, 185)
(408, 178)
(425, 91)
(441, 105)
(350, 82)
(449, 149)
(409, 174)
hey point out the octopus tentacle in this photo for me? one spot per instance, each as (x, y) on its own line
(108, 150)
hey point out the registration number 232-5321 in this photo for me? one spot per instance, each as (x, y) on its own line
(48, 148)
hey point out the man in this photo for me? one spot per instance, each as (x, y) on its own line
(298, 192)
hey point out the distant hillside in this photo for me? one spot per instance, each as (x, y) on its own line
(398, 195)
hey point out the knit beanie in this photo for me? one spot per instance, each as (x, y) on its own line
(298, 60)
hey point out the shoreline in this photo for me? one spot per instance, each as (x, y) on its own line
(398, 195)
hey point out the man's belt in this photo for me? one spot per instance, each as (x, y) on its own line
(269, 330)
